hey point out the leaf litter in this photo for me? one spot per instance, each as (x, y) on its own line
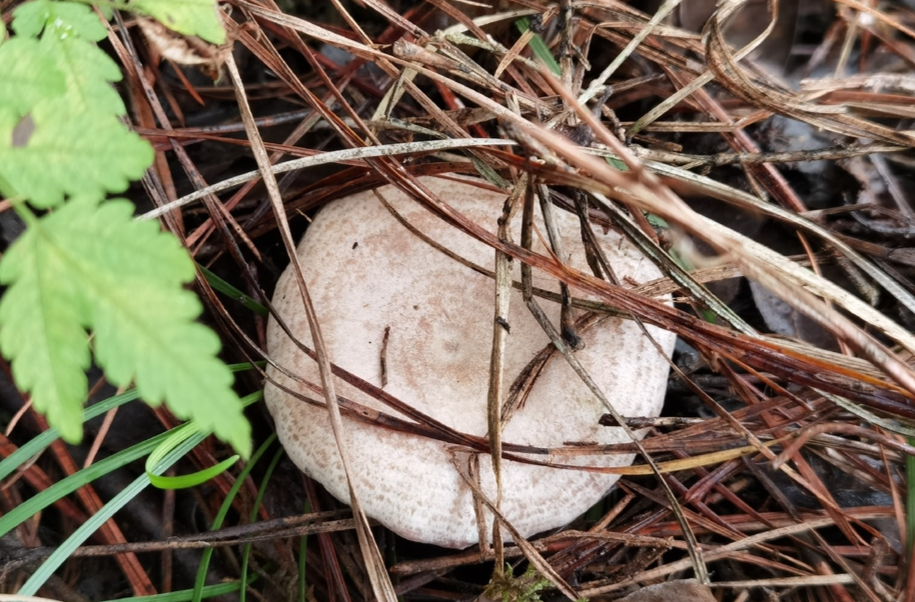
(789, 466)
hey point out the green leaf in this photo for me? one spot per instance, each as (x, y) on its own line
(88, 265)
(51, 349)
(177, 438)
(9, 119)
(70, 30)
(107, 11)
(66, 138)
(88, 153)
(58, 19)
(88, 73)
(190, 17)
(30, 75)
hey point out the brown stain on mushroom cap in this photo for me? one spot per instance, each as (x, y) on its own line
(441, 319)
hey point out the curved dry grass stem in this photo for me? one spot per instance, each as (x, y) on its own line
(381, 582)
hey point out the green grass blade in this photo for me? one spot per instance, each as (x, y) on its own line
(244, 366)
(246, 552)
(223, 511)
(177, 437)
(538, 46)
(43, 440)
(192, 480)
(210, 591)
(83, 533)
(38, 443)
(70, 484)
(228, 290)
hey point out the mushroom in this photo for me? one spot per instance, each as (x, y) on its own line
(404, 316)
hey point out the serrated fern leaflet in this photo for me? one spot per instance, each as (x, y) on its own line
(87, 265)
(91, 265)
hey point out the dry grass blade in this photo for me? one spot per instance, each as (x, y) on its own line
(755, 260)
(675, 271)
(713, 554)
(696, 84)
(747, 201)
(378, 575)
(529, 551)
(729, 74)
(563, 347)
(644, 31)
(503, 288)
(331, 157)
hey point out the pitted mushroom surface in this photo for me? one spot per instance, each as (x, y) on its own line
(385, 297)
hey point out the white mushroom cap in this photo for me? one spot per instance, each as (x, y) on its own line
(367, 273)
